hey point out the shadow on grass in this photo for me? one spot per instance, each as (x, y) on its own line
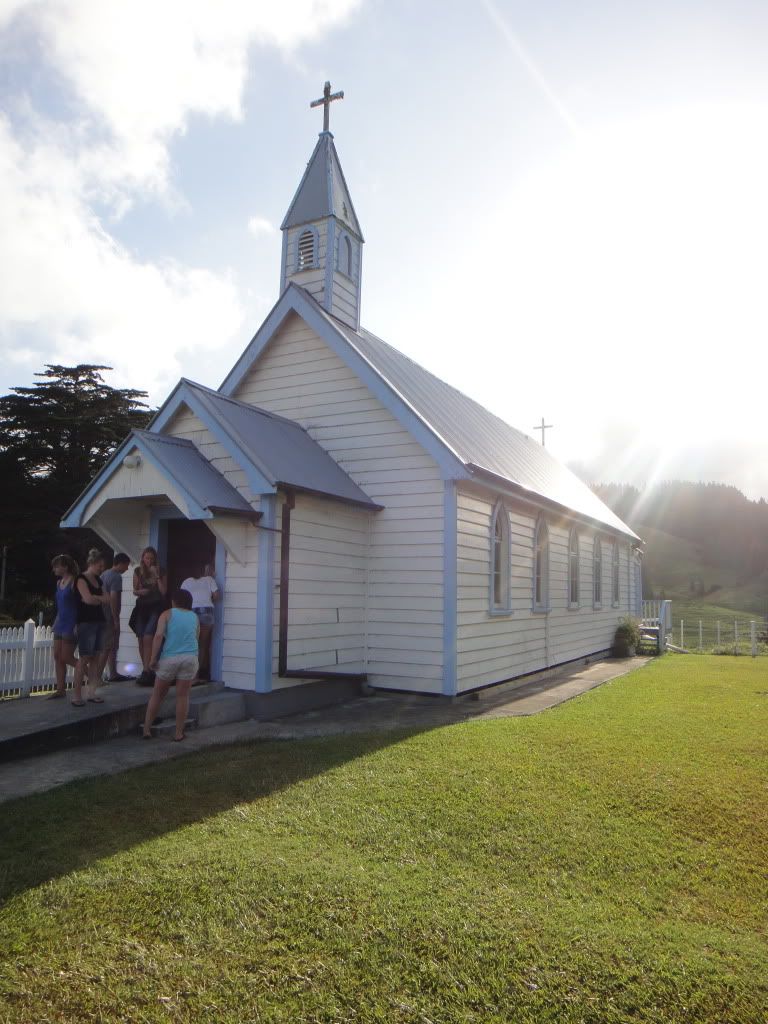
(49, 835)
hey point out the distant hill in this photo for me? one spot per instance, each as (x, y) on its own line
(704, 542)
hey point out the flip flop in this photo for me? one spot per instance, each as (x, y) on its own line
(95, 700)
(54, 696)
(77, 703)
(147, 737)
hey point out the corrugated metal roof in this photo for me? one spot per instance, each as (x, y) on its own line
(280, 448)
(183, 462)
(481, 440)
(322, 191)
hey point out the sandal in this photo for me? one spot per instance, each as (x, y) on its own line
(56, 695)
(178, 739)
(95, 700)
(77, 703)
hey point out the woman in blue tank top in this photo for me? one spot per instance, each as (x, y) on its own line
(66, 571)
(177, 636)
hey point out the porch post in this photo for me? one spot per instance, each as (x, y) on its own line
(450, 589)
(265, 590)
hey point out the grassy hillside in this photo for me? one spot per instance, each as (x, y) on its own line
(706, 544)
(686, 573)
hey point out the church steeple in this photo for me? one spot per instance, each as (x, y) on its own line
(322, 240)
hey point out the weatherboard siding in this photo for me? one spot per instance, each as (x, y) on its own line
(128, 657)
(298, 376)
(187, 425)
(327, 588)
(492, 648)
(239, 617)
(144, 480)
(344, 298)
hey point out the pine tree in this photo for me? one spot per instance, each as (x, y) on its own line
(54, 436)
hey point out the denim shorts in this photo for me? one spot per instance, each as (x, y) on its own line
(110, 634)
(90, 638)
(205, 615)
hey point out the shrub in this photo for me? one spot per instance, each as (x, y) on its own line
(627, 635)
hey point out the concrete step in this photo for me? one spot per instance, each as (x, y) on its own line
(39, 727)
(167, 726)
(218, 708)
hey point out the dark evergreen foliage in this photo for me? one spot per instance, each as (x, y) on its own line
(54, 436)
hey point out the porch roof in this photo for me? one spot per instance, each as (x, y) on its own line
(205, 491)
(185, 464)
(279, 449)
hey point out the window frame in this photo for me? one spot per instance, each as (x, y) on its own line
(597, 571)
(345, 240)
(502, 549)
(308, 229)
(574, 568)
(540, 606)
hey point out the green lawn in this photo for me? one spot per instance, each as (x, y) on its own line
(602, 862)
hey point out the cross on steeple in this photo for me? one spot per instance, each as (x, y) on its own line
(543, 428)
(325, 102)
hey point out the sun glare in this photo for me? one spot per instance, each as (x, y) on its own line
(640, 259)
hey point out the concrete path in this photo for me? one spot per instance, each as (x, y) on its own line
(381, 712)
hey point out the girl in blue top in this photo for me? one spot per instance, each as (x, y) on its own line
(64, 640)
(177, 634)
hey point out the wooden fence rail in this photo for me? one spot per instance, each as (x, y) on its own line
(26, 660)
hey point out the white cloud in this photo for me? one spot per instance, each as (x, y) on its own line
(132, 72)
(141, 68)
(261, 226)
(82, 294)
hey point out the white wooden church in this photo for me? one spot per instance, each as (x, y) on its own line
(368, 521)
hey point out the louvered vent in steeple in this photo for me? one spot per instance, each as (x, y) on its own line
(306, 250)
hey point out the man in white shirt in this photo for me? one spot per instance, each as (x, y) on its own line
(204, 590)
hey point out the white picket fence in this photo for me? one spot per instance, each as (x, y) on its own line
(26, 661)
(736, 635)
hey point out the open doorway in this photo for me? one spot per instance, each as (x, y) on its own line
(190, 546)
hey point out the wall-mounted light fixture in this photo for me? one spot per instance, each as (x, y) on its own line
(132, 461)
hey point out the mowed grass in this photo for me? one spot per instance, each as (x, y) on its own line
(602, 862)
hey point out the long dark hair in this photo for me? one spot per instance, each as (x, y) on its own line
(68, 562)
(141, 569)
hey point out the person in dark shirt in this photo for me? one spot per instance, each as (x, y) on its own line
(90, 627)
(149, 586)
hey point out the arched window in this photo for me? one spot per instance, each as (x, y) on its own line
(615, 592)
(597, 573)
(306, 252)
(344, 261)
(573, 569)
(541, 568)
(500, 593)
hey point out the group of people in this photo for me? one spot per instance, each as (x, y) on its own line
(174, 644)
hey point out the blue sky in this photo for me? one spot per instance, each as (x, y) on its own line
(563, 203)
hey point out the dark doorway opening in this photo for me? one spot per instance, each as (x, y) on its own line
(191, 545)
